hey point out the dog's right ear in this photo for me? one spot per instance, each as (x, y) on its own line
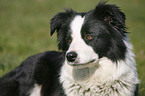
(56, 22)
(60, 19)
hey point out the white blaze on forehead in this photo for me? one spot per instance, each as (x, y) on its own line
(76, 27)
(76, 24)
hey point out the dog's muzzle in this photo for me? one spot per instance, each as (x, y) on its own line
(72, 59)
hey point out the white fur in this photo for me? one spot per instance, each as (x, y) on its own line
(104, 78)
(36, 91)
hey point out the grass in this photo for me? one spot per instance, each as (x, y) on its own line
(24, 29)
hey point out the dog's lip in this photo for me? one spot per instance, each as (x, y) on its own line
(78, 64)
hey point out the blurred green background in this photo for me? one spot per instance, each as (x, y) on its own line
(24, 29)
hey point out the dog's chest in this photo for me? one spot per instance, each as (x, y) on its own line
(86, 89)
(116, 88)
(36, 91)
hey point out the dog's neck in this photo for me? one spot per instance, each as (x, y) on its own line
(83, 74)
(87, 73)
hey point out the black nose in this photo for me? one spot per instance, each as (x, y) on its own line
(71, 56)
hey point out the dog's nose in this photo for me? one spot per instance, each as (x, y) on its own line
(71, 56)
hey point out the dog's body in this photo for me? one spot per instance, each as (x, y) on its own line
(97, 59)
(36, 75)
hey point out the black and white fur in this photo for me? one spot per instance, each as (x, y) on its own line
(96, 60)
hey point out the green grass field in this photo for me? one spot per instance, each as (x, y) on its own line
(24, 29)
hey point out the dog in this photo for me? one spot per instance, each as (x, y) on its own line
(96, 59)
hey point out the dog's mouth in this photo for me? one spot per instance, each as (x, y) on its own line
(79, 64)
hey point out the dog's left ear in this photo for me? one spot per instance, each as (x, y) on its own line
(110, 14)
(60, 19)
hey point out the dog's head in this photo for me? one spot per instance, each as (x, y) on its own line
(86, 37)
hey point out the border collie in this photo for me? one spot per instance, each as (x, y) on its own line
(96, 59)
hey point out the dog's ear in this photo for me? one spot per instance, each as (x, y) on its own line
(110, 14)
(60, 19)
(56, 22)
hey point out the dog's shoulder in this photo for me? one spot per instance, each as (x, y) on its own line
(49, 58)
(39, 69)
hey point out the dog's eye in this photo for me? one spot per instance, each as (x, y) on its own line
(70, 40)
(89, 37)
